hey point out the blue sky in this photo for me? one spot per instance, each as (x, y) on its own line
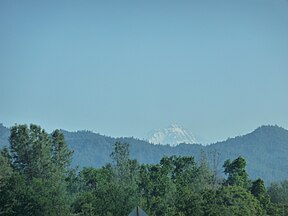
(122, 68)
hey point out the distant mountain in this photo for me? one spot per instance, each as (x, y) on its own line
(264, 149)
(172, 135)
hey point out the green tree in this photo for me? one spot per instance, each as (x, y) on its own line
(188, 202)
(40, 163)
(112, 189)
(258, 189)
(61, 155)
(236, 172)
(279, 192)
(102, 194)
(6, 175)
(190, 180)
(232, 201)
(204, 177)
(157, 189)
(120, 159)
(30, 148)
(279, 197)
(6, 170)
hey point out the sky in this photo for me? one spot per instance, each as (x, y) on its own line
(122, 68)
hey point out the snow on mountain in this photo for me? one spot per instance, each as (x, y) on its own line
(172, 135)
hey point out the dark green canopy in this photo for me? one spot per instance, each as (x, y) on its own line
(137, 212)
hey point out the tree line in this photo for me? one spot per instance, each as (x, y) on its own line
(36, 179)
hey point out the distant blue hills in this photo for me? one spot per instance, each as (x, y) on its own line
(265, 150)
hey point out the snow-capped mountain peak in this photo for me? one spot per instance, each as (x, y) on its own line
(172, 135)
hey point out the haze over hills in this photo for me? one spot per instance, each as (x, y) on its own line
(4, 134)
(171, 135)
(265, 150)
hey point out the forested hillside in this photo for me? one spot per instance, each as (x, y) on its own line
(265, 150)
(36, 179)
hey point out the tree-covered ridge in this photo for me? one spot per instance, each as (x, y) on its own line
(36, 179)
(265, 150)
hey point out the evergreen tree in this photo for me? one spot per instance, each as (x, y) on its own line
(40, 164)
(259, 191)
(30, 148)
(156, 189)
(279, 197)
(112, 189)
(61, 155)
(231, 201)
(120, 160)
(236, 172)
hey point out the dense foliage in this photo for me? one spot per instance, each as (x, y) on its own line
(265, 151)
(36, 179)
(34, 172)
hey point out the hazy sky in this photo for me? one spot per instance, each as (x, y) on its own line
(122, 68)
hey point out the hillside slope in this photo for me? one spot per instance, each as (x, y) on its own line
(265, 150)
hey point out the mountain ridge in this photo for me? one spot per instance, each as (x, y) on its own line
(265, 150)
